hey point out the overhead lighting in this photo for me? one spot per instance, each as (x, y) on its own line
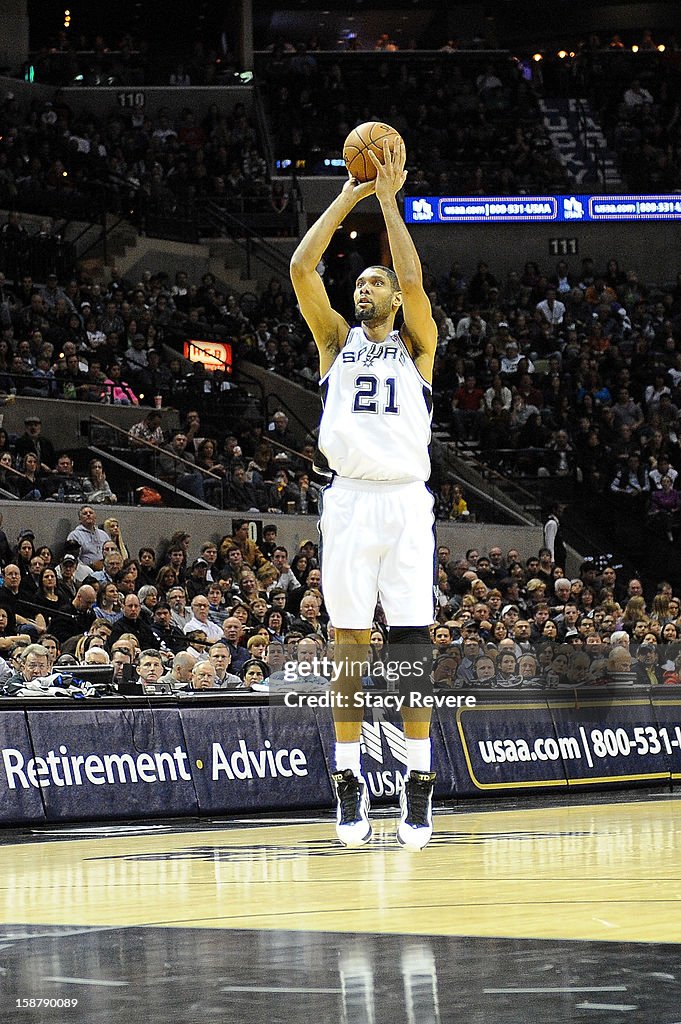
(537, 57)
(662, 48)
(634, 48)
(562, 54)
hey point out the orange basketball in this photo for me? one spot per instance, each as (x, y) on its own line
(369, 135)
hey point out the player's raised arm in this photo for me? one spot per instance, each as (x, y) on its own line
(420, 330)
(329, 328)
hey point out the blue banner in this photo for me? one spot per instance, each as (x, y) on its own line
(96, 763)
(611, 740)
(247, 759)
(20, 799)
(109, 763)
(503, 745)
(666, 710)
(555, 209)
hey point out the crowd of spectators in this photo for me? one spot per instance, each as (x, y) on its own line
(635, 90)
(567, 373)
(233, 614)
(128, 60)
(131, 161)
(471, 119)
(470, 127)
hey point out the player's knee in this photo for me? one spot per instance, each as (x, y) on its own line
(411, 652)
(409, 636)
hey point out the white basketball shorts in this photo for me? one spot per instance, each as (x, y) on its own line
(378, 541)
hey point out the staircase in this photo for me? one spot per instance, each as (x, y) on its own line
(579, 143)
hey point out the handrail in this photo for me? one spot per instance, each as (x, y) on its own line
(291, 451)
(143, 475)
(589, 144)
(154, 447)
(268, 253)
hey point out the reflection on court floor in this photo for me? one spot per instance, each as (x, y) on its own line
(560, 906)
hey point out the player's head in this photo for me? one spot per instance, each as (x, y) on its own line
(377, 295)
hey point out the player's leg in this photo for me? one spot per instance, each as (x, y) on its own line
(410, 647)
(351, 652)
(406, 591)
(349, 571)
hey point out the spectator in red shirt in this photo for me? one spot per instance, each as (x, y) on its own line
(467, 410)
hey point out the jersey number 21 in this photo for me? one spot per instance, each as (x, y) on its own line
(367, 396)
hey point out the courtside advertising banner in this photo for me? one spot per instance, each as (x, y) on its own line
(502, 745)
(107, 763)
(18, 801)
(611, 740)
(666, 725)
(247, 759)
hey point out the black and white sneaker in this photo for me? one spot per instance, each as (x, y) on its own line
(416, 804)
(353, 827)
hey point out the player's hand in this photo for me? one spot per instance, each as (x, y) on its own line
(359, 189)
(390, 175)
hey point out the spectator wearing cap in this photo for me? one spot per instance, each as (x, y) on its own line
(196, 581)
(510, 613)
(510, 360)
(32, 440)
(90, 538)
(53, 292)
(198, 644)
(200, 620)
(66, 575)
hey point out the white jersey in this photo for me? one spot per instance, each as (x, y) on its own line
(377, 410)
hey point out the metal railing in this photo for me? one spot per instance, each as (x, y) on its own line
(594, 151)
(101, 430)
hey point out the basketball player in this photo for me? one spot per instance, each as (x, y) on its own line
(377, 515)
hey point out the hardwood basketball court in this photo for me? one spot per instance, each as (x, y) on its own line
(510, 915)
